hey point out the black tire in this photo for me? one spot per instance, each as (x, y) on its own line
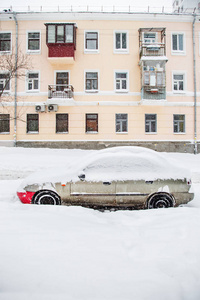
(160, 200)
(46, 197)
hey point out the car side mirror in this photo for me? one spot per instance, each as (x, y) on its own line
(82, 176)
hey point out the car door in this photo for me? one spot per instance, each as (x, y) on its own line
(93, 193)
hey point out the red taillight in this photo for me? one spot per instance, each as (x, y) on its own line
(189, 182)
(25, 197)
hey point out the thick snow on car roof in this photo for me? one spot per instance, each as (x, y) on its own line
(119, 163)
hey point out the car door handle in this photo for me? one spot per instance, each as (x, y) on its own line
(149, 182)
(107, 183)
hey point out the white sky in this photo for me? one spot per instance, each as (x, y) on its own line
(65, 3)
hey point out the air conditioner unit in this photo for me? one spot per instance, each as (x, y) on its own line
(40, 107)
(52, 107)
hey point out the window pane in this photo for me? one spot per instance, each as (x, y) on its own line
(91, 44)
(60, 33)
(33, 75)
(180, 37)
(174, 41)
(69, 34)
(91, 123)
(178, 77)
(5, 123)
(124, 84)
(5, 41)
(51, 33)
(32, 122)
(61, 123)
(118, 44)
(123, 40)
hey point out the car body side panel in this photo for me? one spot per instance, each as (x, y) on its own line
(92, 193)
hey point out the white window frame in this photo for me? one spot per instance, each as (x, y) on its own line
(6, 91)
(121, 50)
(156, 37)
(127, 81)
(178, 52)
(61, 71)
(33, 51)
(178, 123)
(27, 81)
(184, 82)
(91, 51)
(10, 51)
(150, 124)
(121, 123)
(93, 90)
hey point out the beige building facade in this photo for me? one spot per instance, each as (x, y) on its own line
(102, 79)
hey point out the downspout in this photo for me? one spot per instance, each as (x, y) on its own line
(195, 89)
(15, 95)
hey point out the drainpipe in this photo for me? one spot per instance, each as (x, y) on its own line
(15, 95)
(195, 90)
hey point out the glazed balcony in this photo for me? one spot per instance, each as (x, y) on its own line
(56, 91)
(61, 42)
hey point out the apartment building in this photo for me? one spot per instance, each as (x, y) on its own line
(99, 79)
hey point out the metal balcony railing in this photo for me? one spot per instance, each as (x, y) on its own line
(60, 91)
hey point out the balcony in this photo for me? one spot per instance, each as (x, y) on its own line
(61, 42)
(152, 42)
(153, 84)
(157, 49)
(63, 91)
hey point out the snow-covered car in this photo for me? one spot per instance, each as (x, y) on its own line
(119, 177)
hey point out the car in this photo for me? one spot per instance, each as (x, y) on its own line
(124, 177)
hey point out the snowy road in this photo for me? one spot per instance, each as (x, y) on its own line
(73, 253)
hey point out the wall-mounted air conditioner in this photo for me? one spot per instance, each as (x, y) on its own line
(40, 107)
(52, 107)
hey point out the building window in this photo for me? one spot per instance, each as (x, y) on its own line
(61, 123)
(178, 42)
(149, 37)
(91, 81)
(33, 41)
(178, 82)
(33, 81)
(4, 123)
(179, 123)
(150, 123)
(121, 42)
(121, 122)
(5, 42)
(91, 41)
(121, 81)
(32, 123)
(4, 82)
(60, 33)
(92, 123)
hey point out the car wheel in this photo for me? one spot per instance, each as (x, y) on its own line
(160, 200)
(46, 197)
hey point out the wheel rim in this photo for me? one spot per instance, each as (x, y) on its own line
(47, 199)
(160, 201)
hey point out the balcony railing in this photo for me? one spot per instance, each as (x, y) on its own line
(60, 91)
(153, 93)
(157, 49)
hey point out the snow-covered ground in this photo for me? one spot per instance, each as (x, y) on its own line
(74, 253)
